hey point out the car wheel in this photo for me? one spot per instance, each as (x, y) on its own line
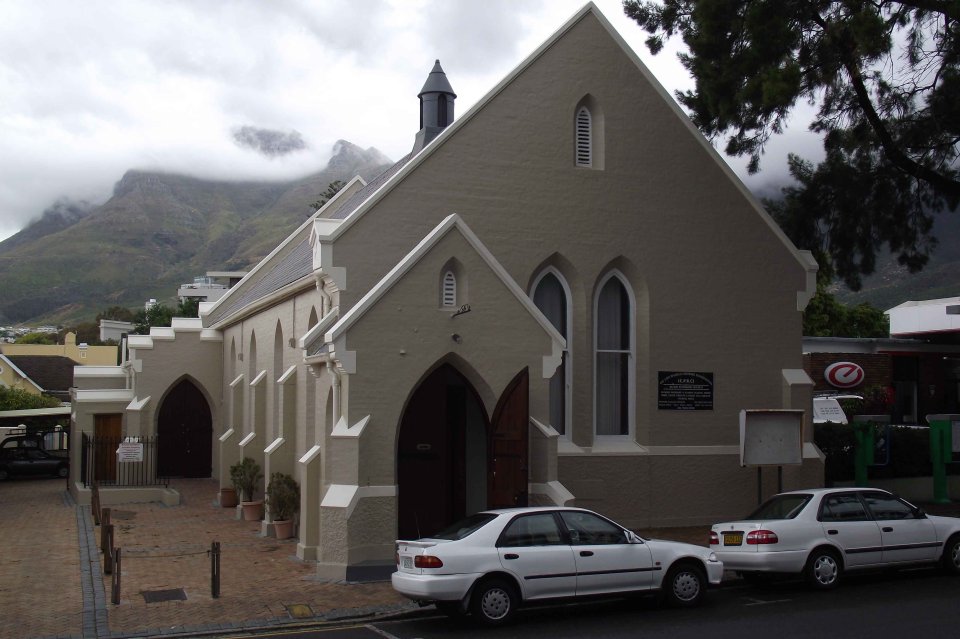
(493, 602)
(684, 585)
(62, 472)
(951, 555)
(451, 609)
(4, 475)
(823, 569)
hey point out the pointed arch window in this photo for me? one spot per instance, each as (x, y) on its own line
(613, 348)
(584, 137)
(551, 296)
(448, 293)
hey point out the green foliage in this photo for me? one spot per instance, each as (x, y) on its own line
(19, 399)
(283, 496)
(118, 313)
(885, 77)
(37, 338)
(244, 475)
(162, 315)
(330, 191)
(826, 317)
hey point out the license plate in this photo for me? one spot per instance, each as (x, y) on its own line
(733, 539)
(406, 562)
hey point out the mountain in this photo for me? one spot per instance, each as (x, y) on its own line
(892, 284)
(156, 232)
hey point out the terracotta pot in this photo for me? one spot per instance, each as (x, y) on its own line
(252, 510)
(283, 529)
(228, 498)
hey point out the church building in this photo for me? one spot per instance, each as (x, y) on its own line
(562, 297)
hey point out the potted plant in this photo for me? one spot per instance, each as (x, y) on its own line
(283, 499)
(245, 474)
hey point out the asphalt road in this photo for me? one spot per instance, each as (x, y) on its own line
(903, 605)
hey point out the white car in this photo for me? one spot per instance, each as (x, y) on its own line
(491, 562)
(825, 532)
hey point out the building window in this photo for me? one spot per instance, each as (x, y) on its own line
(613, 341)
(449, 291)
(584, 137)
(550, 295)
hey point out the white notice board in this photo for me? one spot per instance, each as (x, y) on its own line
(771, 437)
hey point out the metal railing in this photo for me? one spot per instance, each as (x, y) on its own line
(102, 461)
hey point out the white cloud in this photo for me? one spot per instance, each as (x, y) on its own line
(91, 89)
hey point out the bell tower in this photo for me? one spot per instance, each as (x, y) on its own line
(436, 107)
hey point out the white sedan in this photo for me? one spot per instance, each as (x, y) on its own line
(825, 532)
(491, 562)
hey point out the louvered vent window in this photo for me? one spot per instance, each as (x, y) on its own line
(584, 154)
(449, 289)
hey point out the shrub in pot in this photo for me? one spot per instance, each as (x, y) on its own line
(245, 475)
(283, 499)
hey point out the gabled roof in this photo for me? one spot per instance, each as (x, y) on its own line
(449, 224)
(50, 373)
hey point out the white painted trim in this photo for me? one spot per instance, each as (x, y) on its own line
(554, 491)
(289, 375)
(342, 430)
(568, 381)
(262, 375)
(274, 445)
(162, 334)
(452, 221)
(98, 371)
(109, 395)
(347, 495)
(310, 455)
(237, 382)
(319, 328)
(139, 342)
(138, 404)
(36, 412)
(631, 366)
(547, 431)
(226, 435)
(186, 324)
(246, 440)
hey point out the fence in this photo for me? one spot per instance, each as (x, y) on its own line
(101, 462)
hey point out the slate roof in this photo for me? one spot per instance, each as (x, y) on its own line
(358, 198)
(52, 373)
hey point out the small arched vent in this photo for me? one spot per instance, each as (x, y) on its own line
(449, 293)
(584, 150)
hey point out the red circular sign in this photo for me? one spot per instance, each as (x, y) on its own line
(844, 374)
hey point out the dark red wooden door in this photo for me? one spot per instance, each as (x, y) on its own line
(185, 433)
(507, 479)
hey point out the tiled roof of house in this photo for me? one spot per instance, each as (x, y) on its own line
(53, 373)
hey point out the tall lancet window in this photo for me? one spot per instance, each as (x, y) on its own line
(613, 390)
(584, 137)
(550, 296)
(448, 292)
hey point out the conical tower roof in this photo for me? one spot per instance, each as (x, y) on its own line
(437, 82)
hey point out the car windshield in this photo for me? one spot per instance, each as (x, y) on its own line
(780, 507)
(464, 527)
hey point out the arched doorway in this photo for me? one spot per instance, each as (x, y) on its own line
(184, 433)
(441, 454)
(451, 460)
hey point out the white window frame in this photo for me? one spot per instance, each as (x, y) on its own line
(631, 358)
(568, 359)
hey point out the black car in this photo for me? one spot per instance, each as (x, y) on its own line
(31, 461)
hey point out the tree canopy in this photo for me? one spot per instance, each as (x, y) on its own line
(162, 315)
(885, 78)
(332, 189)
(19, 399)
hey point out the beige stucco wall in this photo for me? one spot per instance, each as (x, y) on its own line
(10, 378)
(85, 356)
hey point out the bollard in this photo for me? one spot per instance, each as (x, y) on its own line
(108, 553)
(104, 522)
(215, 569)
(115, 579)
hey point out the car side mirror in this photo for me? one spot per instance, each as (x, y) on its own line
(919, 513)
(633, 538)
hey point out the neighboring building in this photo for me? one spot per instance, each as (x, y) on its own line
(12, 377)
(52, 373)
(564, 297)
(210, 287)
(114, 330)
(80, 353)
(934, 320)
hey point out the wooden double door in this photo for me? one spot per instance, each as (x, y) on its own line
(452, 460)
(184, 433)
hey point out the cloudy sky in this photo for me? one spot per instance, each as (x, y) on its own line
(246, 88)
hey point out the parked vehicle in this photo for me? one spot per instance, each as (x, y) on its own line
(823, 533)
(490, 563)
(31, 461)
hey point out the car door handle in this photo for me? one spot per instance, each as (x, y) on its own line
(833, 532)
(887, 529)
(511, 555)
(586, 553)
